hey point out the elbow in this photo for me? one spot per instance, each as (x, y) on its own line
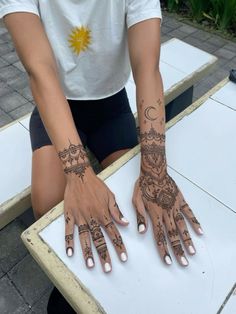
(145, 71)
(40, 70)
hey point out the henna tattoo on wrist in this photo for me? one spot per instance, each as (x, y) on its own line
(98, 238)
(74, 159)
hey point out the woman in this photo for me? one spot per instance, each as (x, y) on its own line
(78, 56)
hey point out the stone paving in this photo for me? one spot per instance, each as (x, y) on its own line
(23, 286)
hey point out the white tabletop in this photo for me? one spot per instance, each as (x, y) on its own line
(144, 284)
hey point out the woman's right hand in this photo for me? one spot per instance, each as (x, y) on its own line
(90, 204)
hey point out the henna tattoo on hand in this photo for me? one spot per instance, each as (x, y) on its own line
(98, 238)
(68, 238)
(67, 218)
(74, 159)
(83, 228)
(177, 247)
(140, 220)
(118, 241)
(163, 190)
(160, 235)
(88, 252)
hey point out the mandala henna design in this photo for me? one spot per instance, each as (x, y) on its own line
(74, 159)
(163, 192)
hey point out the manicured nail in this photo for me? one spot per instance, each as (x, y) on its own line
(191, 249)
(141, 227)
(69, 252)
(90, 262)
(168, 260)
(107, 267)
(200, 231)
(184, 261)
(124, 220)
(123, 257)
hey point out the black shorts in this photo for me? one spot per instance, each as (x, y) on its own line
(104, 125)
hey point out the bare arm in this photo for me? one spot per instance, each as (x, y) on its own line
(35, 52)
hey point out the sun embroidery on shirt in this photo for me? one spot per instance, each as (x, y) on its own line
(80, 39)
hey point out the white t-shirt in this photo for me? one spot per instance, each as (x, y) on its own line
(89, 41)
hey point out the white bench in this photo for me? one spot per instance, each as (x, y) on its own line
(144, 284)
(182, 65)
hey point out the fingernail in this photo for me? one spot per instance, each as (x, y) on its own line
(107, 267)
(90, 262)
(69, 252)
(184, 261)
(141, 227)
(200, 231)
(124, 220)
(168, 260)
(123, 257)
(191, 249)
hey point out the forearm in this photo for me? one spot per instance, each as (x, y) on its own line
(57, 118)
(151, 115)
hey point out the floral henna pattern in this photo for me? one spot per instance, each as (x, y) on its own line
(74, 159)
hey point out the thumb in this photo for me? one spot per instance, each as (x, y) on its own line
(115, 211)
(138, 204)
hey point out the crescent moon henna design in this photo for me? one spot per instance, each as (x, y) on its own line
(147, 113)
(74, 159)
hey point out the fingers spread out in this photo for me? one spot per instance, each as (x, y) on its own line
(159, 234)
(116, 239)
(183, 230)
(69, 233)
(186, 210)
(174, 238)
(100, 244)
(85, 242)
(115, 211)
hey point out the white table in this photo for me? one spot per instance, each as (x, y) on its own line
(144, 284)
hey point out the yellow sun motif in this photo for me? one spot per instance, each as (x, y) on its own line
(80, 38)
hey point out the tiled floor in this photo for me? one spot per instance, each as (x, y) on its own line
(23, 286)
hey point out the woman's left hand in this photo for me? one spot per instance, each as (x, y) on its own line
(165, 204)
